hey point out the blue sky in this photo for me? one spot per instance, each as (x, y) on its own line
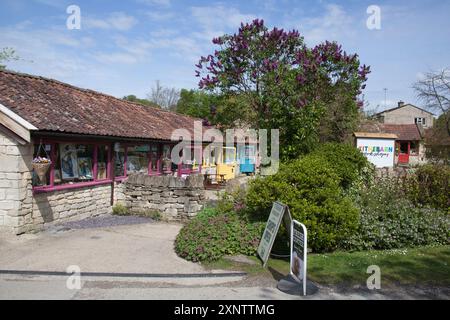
(124, 46)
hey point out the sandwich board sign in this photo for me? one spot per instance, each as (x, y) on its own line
(278, 213)
(298, 253)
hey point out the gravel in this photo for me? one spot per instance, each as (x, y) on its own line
(102, 222)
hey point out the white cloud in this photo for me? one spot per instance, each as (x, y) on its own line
(139, 48)
(117, 20)
(334, 24)
(160, 16)
(217, 20)
(118, 57)
(163, 33)
(49, 53)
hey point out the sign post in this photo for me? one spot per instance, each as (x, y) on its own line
(278, 213)
(299, 250)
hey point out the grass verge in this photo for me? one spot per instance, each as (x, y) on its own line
(419, 266)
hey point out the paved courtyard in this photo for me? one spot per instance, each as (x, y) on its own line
(129, 258)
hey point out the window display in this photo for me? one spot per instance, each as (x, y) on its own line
(138, 159)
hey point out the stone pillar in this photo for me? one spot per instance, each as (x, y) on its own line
(15, 185)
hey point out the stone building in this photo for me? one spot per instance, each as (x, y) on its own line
(406, 114)
(92, 142)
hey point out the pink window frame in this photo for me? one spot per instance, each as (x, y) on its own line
(158, 171)
(150, 171)
(51, 187)
(161, 157)
(124, 176)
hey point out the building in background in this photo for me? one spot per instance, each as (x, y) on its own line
(406, 114)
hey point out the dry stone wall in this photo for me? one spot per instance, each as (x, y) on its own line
(175, 198)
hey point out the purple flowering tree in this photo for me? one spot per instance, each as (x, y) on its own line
(285, 84)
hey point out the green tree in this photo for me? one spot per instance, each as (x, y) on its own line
(285, 84)
(7, 54)
(196, 103)
(144, 102)
(224, 110)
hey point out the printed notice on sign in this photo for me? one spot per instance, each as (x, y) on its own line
(298, 252)
(270, 233)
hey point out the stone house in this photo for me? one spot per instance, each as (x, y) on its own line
(406, 114)
(94, 142)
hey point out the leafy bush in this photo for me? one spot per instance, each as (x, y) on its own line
(346, 160)
(311, 189)
(430, 185)
(389, 221)
(232, 201)
(211, 235)
(119, 209)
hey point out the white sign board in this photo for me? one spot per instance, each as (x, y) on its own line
(278, 213)
(380, 152)
(299, 248)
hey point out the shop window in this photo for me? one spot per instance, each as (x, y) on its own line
(70, 163)
(138, 159)
(166, 158)
(230, 155)
(154, 159)
(119, 160)
(102, 162)
(75, 163)
(209, 158)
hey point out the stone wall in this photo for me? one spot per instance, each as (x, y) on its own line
(15, 184)
(22, 211)
(64, 205)
(175, 198)
(396, 172)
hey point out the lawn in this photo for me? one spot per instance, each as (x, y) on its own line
(419, 266)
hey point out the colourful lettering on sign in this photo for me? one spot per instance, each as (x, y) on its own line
(376, 149)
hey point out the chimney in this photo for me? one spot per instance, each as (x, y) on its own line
(401, 103)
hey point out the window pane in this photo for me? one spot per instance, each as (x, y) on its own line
(41, 170)
(154, 158)
(57, 170)
(137, 159)
(102, 162)
(85, 154)
(119, 161)
(230, 155)
(75, 163)
(166, 158)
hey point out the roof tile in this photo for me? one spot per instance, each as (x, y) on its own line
(51, 105)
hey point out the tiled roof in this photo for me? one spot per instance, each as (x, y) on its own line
(402, 106)
(51, 105)
(403, 131)
(409, 132)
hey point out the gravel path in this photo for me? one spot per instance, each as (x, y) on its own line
(103, 221)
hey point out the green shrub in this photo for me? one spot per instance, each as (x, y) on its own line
(119, 209)
(389, 221)
(346, 160)
(312, 190)
(211, 235)
(430, 185)
(232, 201)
